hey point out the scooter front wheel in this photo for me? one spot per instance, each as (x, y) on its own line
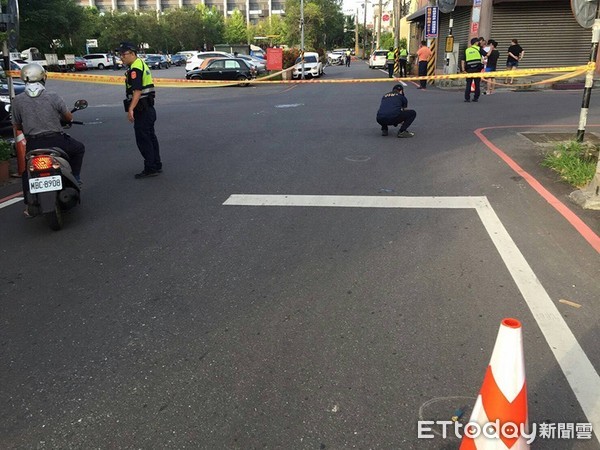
(54, 219)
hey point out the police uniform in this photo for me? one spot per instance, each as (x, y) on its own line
(392, 112)
(391, 60)
(473, 64)
(139, 78)
(403, 60)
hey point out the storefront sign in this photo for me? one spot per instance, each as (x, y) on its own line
(431, 22)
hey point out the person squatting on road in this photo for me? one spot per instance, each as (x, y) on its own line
(472, 63)
(38, 114)
(392, 111)
(139, 105)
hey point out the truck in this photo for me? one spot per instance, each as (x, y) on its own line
(49, 61)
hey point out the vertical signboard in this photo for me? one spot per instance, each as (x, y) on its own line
(274, 58)
(431, 22)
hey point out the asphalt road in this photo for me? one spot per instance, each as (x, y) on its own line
(160, 317)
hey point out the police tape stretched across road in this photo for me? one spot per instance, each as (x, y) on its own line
(167, 82)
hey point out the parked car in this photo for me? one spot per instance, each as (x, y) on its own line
(259, 64)
(224, 69)
(194, 61)
(99, 60)
(19, 87)
(312, 66)
(157, 62)
(80, 63)
(178, 59)
(378, 59)
(336, 57)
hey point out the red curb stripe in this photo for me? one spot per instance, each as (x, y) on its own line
(10, 197)
(586, 232)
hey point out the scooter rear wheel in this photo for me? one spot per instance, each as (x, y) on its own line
(54, 219)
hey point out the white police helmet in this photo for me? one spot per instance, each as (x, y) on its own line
(33, 73)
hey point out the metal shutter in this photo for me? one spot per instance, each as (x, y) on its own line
(547, 31)
(460, 31)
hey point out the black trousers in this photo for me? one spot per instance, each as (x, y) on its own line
(477, 82)
(402, 67)
(390, 67)
(406, 117)
(146, 140)
(423, 73)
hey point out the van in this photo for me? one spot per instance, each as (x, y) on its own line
(99, 60)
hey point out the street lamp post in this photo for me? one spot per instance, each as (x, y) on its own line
(365, 33)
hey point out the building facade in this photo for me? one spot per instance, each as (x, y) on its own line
(546, 29)
(254, 10)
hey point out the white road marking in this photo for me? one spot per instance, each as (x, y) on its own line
(290, 105)
(577, 368)
(12, 201)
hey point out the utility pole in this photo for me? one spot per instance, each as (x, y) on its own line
(379, 24)
(365, 33)
(356, 34)
(302, 37)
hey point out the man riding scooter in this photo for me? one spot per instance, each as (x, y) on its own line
(38, 114)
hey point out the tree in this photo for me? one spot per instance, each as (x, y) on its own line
(235, 29)
(323, 23)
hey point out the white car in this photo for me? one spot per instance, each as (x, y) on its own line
(378, 59)
(312, 66)
(194, 61)
(99, 60)
(336, 57)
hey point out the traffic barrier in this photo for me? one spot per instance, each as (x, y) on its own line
(502, 400)
(569, 72)
(20, 146)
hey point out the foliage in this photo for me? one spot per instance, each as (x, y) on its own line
(289, 57)
(235, 29)
(323, 23)
(575, 162)
(5, 150)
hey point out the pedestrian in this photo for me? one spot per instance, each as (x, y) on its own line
(515, 54)
(472, 63)
(139, 105)
(390, 61)
(403, 59)
(423, 56)
(348, 57)
(491, 64)
(392, 111)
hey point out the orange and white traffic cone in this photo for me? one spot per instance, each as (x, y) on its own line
(472, 86)
(501, 406)
(21, 146)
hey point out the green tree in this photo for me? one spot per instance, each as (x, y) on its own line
(235, 29)
(212, 26)
(323, 23)
(183, 28)
(50, 25)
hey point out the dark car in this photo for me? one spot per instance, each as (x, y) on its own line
(19, 87)
(224, 69)
(157, 62)
(178, 60)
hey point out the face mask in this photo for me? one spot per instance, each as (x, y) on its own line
(34, 89)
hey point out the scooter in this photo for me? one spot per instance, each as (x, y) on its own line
(51, 187)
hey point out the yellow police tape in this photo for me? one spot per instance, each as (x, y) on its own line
(569, 72)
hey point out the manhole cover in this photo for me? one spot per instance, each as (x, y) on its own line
(551, 138)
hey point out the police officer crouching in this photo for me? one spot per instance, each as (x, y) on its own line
(139, 105)
(392, 111)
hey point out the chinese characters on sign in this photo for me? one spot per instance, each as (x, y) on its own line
(431, 22)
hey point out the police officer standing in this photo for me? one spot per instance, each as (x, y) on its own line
(403, 61)
(472, 64)
(390, 61)
(139, 105)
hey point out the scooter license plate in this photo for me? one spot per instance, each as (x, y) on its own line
(45, 184)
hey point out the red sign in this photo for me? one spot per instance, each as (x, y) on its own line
(474, 27)
(274, 58)
(385, 17)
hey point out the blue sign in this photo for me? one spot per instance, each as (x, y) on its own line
(476, 2)
(431, 22)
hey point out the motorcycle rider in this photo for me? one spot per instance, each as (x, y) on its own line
(38, 114)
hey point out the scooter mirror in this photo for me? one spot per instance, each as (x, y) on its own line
(81, 104)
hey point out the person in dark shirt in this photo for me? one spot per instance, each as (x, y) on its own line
(515, 54)
(491, 64)
(392, 111)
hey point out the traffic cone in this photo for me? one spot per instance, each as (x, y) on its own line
(472, 86)
(20, 145)
(502, 400)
